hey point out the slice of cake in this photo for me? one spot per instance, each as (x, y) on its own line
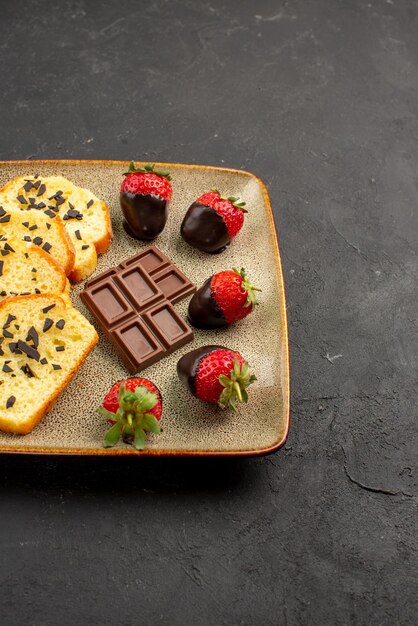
(86, 218)
(27, 269)
(45, 231)
(43, 343)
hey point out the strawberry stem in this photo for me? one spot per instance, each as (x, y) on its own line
(238, 391)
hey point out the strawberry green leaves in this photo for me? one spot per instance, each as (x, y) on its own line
(112, 436)
(150, 424)
(149, 168)
(237, 202)
(249, 287)
(133, 419)
(235, 386)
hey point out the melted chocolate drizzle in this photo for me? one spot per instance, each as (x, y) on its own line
(204, 229)
(189, 363)
(203, 311)
(145, 215)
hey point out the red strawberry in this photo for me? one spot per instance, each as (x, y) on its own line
(212, 221)
(147, 181)
(223, 299)
(216, 375)
(230, 209)
(145, 196)
(133, 407)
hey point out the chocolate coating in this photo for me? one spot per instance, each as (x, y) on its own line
(204, 229)
(203, 311)
(189, 363)
(145, 215)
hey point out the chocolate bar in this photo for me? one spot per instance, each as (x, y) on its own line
(133, 303)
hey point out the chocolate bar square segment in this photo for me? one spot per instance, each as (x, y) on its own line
(137, 346)
(168, 326)
(100, 277)
(107, 303)
(138, 287)
(151, 260)
(174, 285)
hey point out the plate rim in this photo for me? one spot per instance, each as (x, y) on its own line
(150, 452)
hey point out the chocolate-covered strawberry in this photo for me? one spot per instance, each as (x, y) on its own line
(212, 221)
(223, 299)
(216, 375)
(133, 407)
(145, 196)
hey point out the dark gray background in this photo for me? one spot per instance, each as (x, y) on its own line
(320, 100)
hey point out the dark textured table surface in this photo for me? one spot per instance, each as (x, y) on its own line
(320, 100)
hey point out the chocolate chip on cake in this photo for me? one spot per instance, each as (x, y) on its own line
(33, 336)
(27, 370)
(48, 308)
(47, 324)
(30, 351)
